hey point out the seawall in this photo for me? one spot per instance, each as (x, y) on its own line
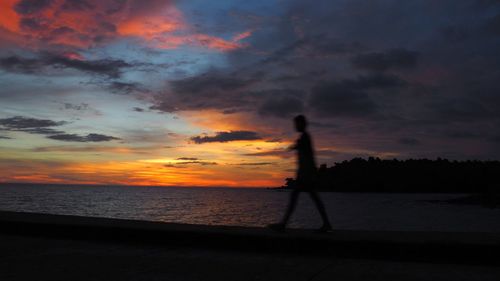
(445, 247)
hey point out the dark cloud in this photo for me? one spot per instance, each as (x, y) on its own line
(282, 54)
(195, 162)
(41, 131)
(106, 67)
(377, 81)
(78, 138)
(187, 158)
(227, 137)
(493, 25)
(254, 164)
(282, 153)
(30, 125)
(488, 3)
(392, 59)
(341, 99)
(20, 122)
(44, 127)
(118, 87)
(463, 135)
(210, 90)
(138, 109)
(212, 81)
(174, 166)
(313, 47)
(408, 141)
(32, 6)
(21, 65)
(76, 5)
(323, 46)
(5, 137)
(464, 110)
(30, 24)
(274, 140)
(350, 97)
(78, 107)
(455, 34)
(281, 107)
(61, 31)
(281, 103)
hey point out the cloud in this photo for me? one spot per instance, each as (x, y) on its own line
(408, 141)
(281, 103)
(77, 107)
(19, 122)
(32, 6)
(213, 89)
(281, 153)
(30, 125)
(350, 97)
(174, 166)
(391, 59)
(118, 87)
(187, 158)
(319, 46)
(377, 81)
(492, 25)
(78, 138)
(281, 107)
(341, 99)
(106, 67)
(83, 24)
(76, 5)
(5, 137)
(44, 127)
(193, 162)
(254, 164)
(227, 137)
(211, 81)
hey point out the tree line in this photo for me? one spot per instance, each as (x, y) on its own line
(412, 175)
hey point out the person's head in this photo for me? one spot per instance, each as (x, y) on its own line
(300, 123)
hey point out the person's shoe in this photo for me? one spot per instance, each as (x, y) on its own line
(326, 228)
(278, 227)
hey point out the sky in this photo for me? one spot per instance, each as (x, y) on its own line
(202, 93)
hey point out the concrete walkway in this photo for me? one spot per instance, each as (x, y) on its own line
(470, 248)
(49, 247)
(37, 258)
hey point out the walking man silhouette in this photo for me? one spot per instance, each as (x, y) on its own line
(306, 177)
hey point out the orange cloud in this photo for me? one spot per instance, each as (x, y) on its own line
(157, 23)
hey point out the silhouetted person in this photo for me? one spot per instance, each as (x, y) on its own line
(306, 177)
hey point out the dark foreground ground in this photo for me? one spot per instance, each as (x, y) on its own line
(46, 247)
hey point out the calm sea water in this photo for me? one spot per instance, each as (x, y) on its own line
(250, 207)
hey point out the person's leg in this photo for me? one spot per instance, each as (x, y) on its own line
(291, 206)
(321, 208)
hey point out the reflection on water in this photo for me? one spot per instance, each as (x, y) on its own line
(249, 207)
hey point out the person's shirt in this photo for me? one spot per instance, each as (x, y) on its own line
(304, 147)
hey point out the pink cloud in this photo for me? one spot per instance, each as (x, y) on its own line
(156, 23)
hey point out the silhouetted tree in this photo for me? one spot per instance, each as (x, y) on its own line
(412, 175)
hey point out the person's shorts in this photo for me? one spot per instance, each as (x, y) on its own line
(305, 183)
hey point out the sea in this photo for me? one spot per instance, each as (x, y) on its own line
(253, 207)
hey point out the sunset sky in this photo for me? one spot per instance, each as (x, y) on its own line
(202, 93)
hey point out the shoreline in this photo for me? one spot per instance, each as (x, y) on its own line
(456, 247)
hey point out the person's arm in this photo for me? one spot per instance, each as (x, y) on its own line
(295, 146)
